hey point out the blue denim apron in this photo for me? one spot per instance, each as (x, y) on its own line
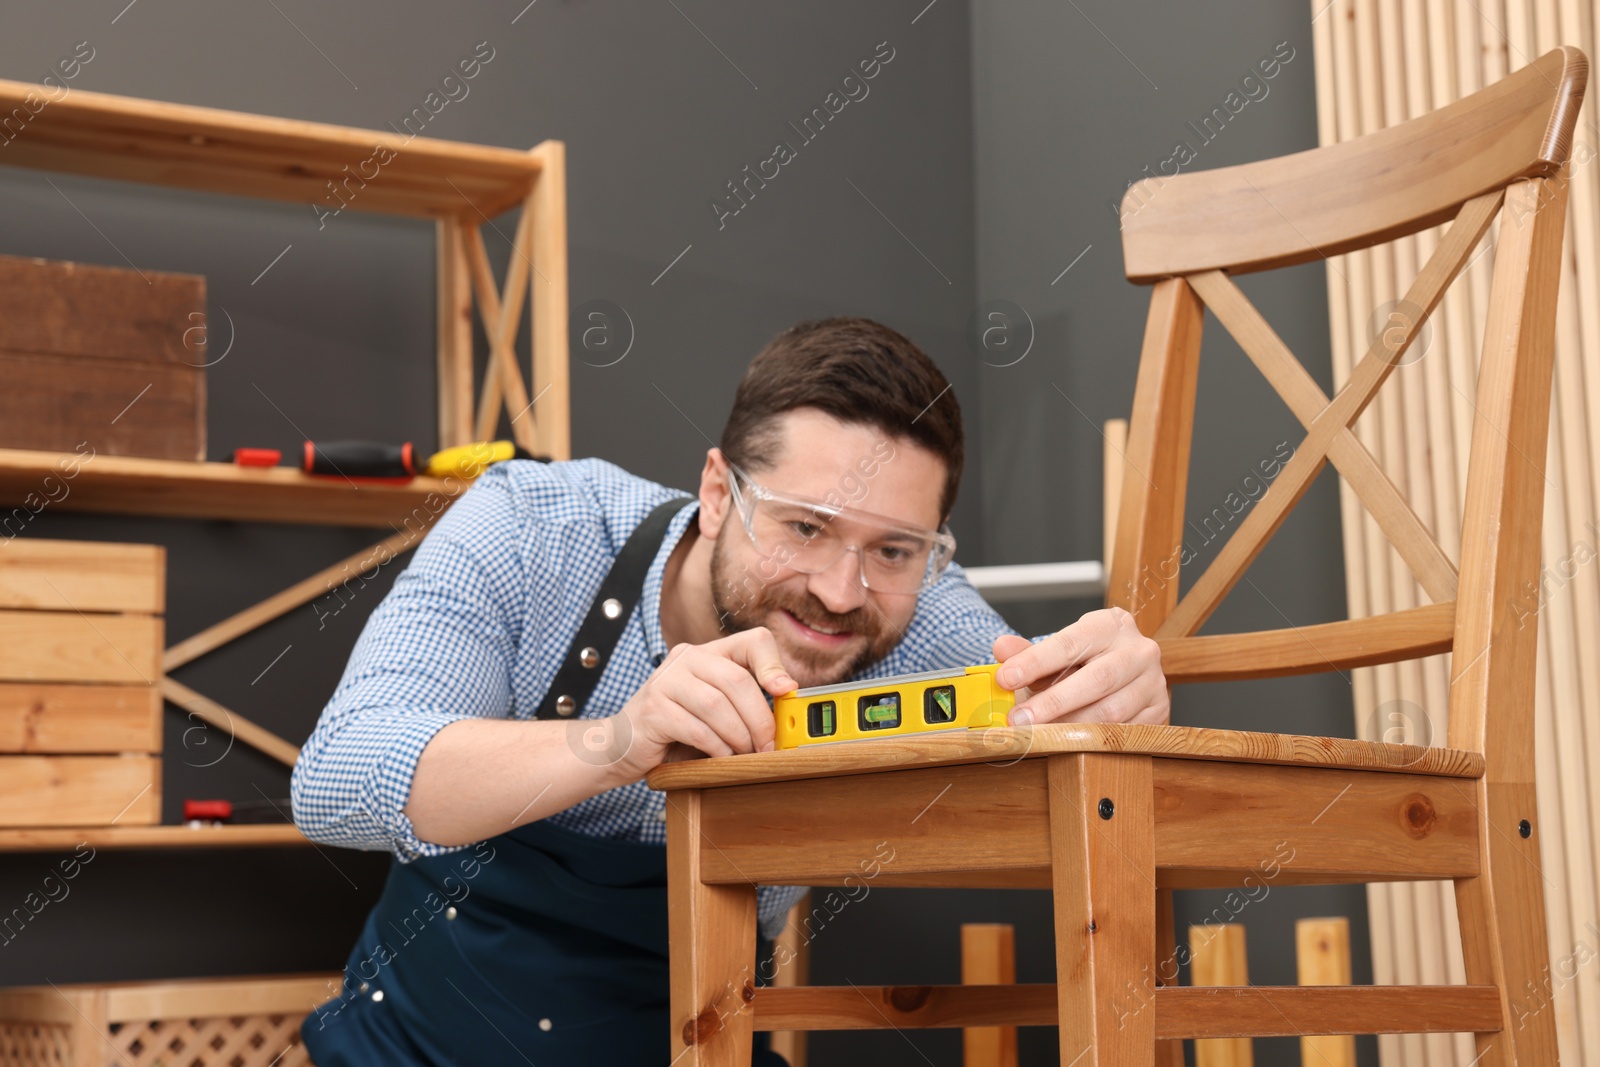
(539, 946)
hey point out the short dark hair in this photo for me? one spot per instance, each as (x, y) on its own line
(860, 372)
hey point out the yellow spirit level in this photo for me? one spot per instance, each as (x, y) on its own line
(961, 698)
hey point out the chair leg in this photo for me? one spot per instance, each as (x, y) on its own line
(713, 936)
(1503, 931)
(1168, 1053)
(1103, 873)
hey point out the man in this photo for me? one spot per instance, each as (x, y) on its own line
(566, 627)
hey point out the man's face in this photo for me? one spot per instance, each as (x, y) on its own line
(828, 627)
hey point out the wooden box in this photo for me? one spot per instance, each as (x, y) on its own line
(219, 1022)
(105, 355)
(81, 638)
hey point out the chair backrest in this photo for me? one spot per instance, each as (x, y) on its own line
(1500, 151)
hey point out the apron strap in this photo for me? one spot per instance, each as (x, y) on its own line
(608, 615)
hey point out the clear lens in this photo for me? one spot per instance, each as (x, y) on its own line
(810, 540)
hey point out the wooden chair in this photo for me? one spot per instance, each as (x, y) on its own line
(1110, 817)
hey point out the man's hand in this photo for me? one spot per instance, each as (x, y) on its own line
(703, 697)
(1099, 669)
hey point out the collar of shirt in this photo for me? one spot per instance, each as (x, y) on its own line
(650, 596)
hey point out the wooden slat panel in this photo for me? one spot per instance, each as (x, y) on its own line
(59, 646)
(83, 576)
(1294, 1011)
(1332, 646)
(1003, 744)
(79, 790)
(1327, 200)
(1213, 816)
(79, 718)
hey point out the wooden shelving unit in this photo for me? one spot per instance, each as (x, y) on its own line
(458, 186)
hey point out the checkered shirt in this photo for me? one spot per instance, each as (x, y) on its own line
(481, 619)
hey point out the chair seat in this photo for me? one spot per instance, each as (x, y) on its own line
(1003, 744)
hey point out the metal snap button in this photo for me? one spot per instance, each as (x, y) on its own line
(377, 995)
(544, 1024)
(612, 607)
(590, 656)
(450, 912)
(565, 705)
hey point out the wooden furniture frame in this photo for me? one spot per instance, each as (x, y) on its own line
(460, 187)
(1112, 816)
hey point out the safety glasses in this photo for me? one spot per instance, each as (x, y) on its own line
(810, 535)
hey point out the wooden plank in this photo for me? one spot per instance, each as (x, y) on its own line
(240, 154)
(1147, 556)
(83, 576)
(65, 839)
(1217, 958)
(288, 994)
(552, 358)
(280, 603)
(453, 325)
(1332, 646)
(713, 936)
(34, 481)
(1113, 466)
(79, 718)
(67, 646)
(61, 308)
(988, 958)
(1295, 1011)
(79, 790)
(1318, 203)
(230, 722)
(904, 1007)
(1103, 866)
(117, 407)
(965, 818)
(1343, 825)
(1005, 744)
(1322, 958)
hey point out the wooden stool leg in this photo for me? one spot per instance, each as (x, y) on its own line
(1503, 930)
(713, 947)
(1168, 1053)
(1103, 873)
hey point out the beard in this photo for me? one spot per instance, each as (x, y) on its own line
(743, 601)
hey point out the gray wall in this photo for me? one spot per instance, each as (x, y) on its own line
(1015, 124)
(1071, 103)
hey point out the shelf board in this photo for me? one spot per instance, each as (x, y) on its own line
(232, 152)
(127, 485)
(67, 838)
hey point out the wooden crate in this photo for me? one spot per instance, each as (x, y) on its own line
(217, 1022)
(105, 355)
(81, 637)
